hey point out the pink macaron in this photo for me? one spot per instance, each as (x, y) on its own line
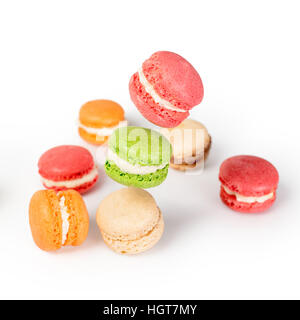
(165, 88)
(248, 183)
(68, 167)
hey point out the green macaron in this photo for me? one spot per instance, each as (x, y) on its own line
(138, 157)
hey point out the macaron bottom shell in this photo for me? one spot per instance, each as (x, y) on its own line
(152, 111)
(83, 188)
(142, 244)
(244, 207)
(136, 180)
(198, 163)
(92, 138)
(187, 167)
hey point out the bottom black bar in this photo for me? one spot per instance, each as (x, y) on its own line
(152, 309)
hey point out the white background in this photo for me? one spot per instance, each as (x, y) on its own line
(56, 55)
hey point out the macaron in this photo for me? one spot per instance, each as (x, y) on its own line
(68, 167)
(165, 88)
(248, 183)
(138, 157)
(58, 219)
(190, 142)
(130, 221)
(98, 119)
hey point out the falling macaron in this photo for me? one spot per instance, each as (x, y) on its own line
(191, 144)
(165, 88)
(138, 157)
(98, 119)
(68, 167)
(130, 221)
(58, 219)
(248, 183)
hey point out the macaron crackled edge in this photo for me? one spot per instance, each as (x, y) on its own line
(165, 88)
(68, 167)
(138, 157)
(248, 183)
(58, 219)
(130, 221)
(191, 144)
(98, 119)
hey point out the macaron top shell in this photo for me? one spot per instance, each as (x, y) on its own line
(44, 214)
(65, 162)
(249, 175)
(174, 79)
(141, 146)
(128, 213)
(101, 113)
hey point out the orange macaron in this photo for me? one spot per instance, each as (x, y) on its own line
(98, 119)
(58, 219)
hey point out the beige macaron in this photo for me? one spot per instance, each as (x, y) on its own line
(130, 221)
(191, 143)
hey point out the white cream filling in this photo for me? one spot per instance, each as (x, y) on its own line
(241, 198)
(150, 90)
(64, 216)
(104, 131)
(72, 183)
(130, 168)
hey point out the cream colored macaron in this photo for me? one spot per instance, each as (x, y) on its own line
(130, 221)
(191, 143)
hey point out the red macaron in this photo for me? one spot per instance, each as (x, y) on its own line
(249, 183)
(166, 88)
(68, 167)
